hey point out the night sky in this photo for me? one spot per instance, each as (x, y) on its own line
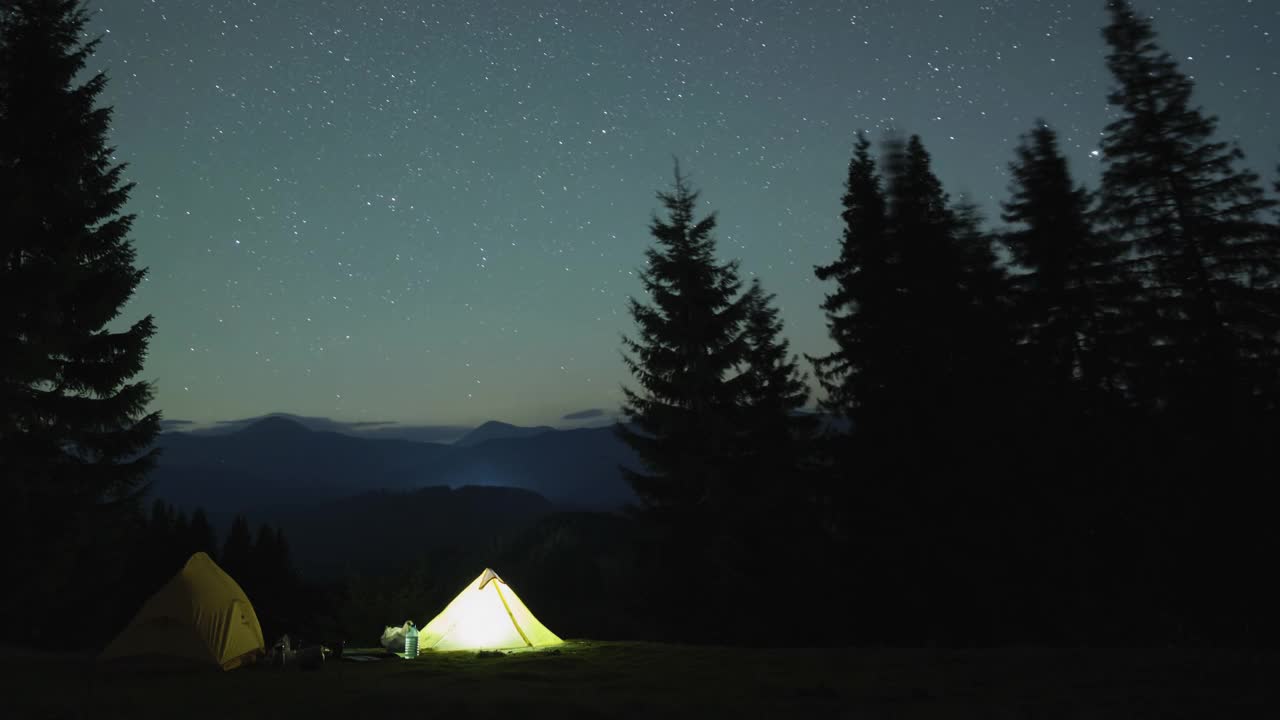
(432, 212)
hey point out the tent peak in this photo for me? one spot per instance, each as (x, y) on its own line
(201, 556)
(488, 575)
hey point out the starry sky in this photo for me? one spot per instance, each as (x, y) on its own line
(433, 212)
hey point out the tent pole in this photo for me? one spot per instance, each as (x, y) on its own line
(498, 586)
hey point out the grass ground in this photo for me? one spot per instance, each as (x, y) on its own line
(646, 680)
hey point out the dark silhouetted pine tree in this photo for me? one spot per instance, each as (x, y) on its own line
(920, 323)
(947, 443)
(773, 524)
(1210, 273)
(776, 432)
(201, 536)
(684, 357)
(179, 541)
(858, 380)
(948, 330)
(922, 379)
(238, 557)
(1073, 300)
(1073, 283)
(271, 556)
(857, 310)
(1194, 221)
(271, 582)
(157, 558)
(160, 524)
(988, 342)
(73, 426)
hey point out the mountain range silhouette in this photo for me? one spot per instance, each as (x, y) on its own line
(278, 461)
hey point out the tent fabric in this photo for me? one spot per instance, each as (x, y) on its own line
(486, 615)
(200, 617)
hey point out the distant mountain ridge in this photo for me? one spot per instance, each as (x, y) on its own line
(278, 461)
(276, 424)
(377, 429)
(494, 430)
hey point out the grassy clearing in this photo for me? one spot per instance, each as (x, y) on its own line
(612, 680)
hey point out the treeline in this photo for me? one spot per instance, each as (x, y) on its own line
(1063, 432)
(153, 547)
(260, 562)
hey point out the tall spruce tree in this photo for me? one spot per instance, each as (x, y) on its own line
(946, 326)
(684, 356)
(181, 534)
(160, 525)
(271, 553)
(238, 557)
(984, 284)
(776, 433)
(1194, 221)
(942, 393)
(1073, 318)
(1210, 273)
(858, 380)
(73, 425)
(1073, 283)
(925, 322)
(776, 498)
(775, 522)
(201, 536)
(157, 549)
(863, 273)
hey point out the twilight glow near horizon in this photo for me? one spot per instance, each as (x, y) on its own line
(433, 212)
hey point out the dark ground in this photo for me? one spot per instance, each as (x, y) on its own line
(612, 680)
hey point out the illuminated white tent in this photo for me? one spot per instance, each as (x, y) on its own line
(486, 615)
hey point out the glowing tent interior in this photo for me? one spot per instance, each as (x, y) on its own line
(486, 615)
(201, 617)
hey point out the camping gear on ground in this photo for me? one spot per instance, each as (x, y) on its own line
(286, 653)
(411, 642)
(311, 658)
(281, 653)
(393, 638)
(486, 615)
(200, 617)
